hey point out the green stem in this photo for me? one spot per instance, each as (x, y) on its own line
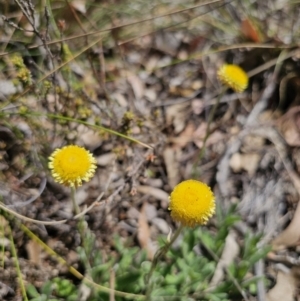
(159, 254)
(61, 117)
(2, 236)
(52, 19)
(81, 228)
(15, 256)
(75, 205)
(75, 272)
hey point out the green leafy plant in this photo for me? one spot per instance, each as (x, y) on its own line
(187, 269)
(56, 289)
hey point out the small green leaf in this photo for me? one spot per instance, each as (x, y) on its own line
(174, 279)
(47, 288)
(242, 269)
(128, 280)
(217, 297)
(259, 254)
(32, 292)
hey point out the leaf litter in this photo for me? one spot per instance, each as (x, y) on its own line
(250, 159)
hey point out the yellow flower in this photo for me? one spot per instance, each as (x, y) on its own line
(192, 203)
(71, 165)
(234, 77)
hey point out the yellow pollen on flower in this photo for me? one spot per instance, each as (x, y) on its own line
(192, 203)
(71, 165)
(234, 77)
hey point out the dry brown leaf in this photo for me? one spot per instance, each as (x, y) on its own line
(155, 192)
(88, 137)
(185, 137)
(235, 162)
(137, 85)
(291, 133)
(289, 126)
(133, 213)
(197, 84)
(290, 236)
(249, 31)
(172, 164)
(248, 162)
(161, 224)
(144, 233)
(179, 91)
(4, 241)
(152, 63)
(150, 95)
(253, 142)
(230, 252)
(7, 88)
(106, 159)
(34, 250)
(214, 138)
(176, 116)
(79, 5)
(197, 106)
(200, 133)
(284, 288)
(120, 98)
(150, 211)
(167, 42)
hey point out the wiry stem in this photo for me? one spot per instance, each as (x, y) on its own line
(159, 254)
(15, 256)
(75, 272)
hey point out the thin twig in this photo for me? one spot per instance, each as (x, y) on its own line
(33, 198)
(259, 271)
(49, 223)
(133, 23)
(159, 254)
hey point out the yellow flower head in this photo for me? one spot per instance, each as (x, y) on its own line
(234, 77)
(71, 165)
(192, 203)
